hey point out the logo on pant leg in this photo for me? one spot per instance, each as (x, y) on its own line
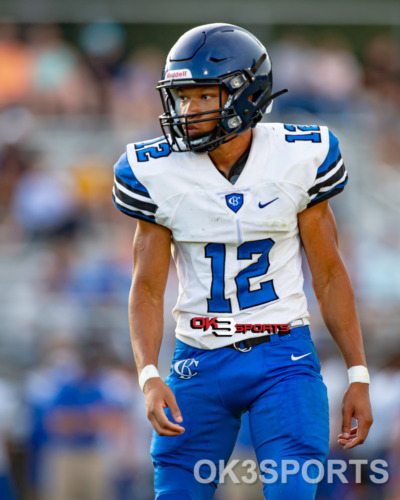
(184, 368)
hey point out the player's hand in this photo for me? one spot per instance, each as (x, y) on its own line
(356, 404)
(159, 396)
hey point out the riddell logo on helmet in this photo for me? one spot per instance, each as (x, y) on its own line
(183, 73)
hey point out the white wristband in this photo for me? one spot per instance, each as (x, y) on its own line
(148, 372)
(358, 374)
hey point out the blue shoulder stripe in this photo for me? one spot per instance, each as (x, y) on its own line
(332, 156)
(131, 189)
(125, 175)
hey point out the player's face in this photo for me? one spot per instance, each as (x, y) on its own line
(201, 100)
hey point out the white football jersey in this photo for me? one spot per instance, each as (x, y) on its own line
(236, 247)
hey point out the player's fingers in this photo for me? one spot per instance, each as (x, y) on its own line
(357, 435)
(347, 413)
(342, 440)
(164, 432)
(353, 442)
(163, 426)
(162, 419)
(158, 397)
(174, 408)
(349, 440)
(352, 433)
(364, 423)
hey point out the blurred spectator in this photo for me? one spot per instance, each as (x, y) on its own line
(92, 178)
(382, 68)
(135, 99)
(290, 56)
(389, 148)
(60, 81)
(323, 79)
(15, 67)
(334, 77)
(59, 366)
(14, 162)
(44, 203)
(382, 81)
(131, 467)
(74, 423)
(16, 125)
(103, 44)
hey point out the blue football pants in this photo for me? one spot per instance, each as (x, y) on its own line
(279, 384)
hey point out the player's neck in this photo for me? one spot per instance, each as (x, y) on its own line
(226, 155)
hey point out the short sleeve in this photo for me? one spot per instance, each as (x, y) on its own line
(331, 176)
(129, 195)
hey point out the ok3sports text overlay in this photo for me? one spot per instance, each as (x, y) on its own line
(226, 327)
(312, 471)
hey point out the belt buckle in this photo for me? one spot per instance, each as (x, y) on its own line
(246, 349)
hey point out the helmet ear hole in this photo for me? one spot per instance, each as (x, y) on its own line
(255, 96)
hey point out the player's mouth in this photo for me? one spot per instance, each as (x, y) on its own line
(193, 130)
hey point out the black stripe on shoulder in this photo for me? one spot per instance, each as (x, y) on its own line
(329, 182)
(130, 188)
(328, 195)
(134, 202)
(135, 215)
(331, 167)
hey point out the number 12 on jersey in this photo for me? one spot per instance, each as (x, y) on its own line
(246, 297)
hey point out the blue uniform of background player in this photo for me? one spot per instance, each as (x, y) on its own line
(236, 203)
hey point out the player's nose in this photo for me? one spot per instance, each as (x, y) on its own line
(191, 106)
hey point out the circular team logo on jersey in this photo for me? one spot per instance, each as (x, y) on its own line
(234, 201)
(185, 368)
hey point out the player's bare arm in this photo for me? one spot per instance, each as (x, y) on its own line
(334, 292)
(151, 258)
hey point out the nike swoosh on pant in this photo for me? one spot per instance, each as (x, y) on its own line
(295, 358)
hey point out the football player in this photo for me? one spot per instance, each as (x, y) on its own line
(236, 200)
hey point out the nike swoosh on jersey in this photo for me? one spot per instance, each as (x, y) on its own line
(265, 204)
(295, 358)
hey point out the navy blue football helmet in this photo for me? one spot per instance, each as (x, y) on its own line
(216, 54)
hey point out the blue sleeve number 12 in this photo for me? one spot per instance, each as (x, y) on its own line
(298, 133)
(217, 303)
(152, 149)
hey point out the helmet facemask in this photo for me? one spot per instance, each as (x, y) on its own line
(176, 125)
